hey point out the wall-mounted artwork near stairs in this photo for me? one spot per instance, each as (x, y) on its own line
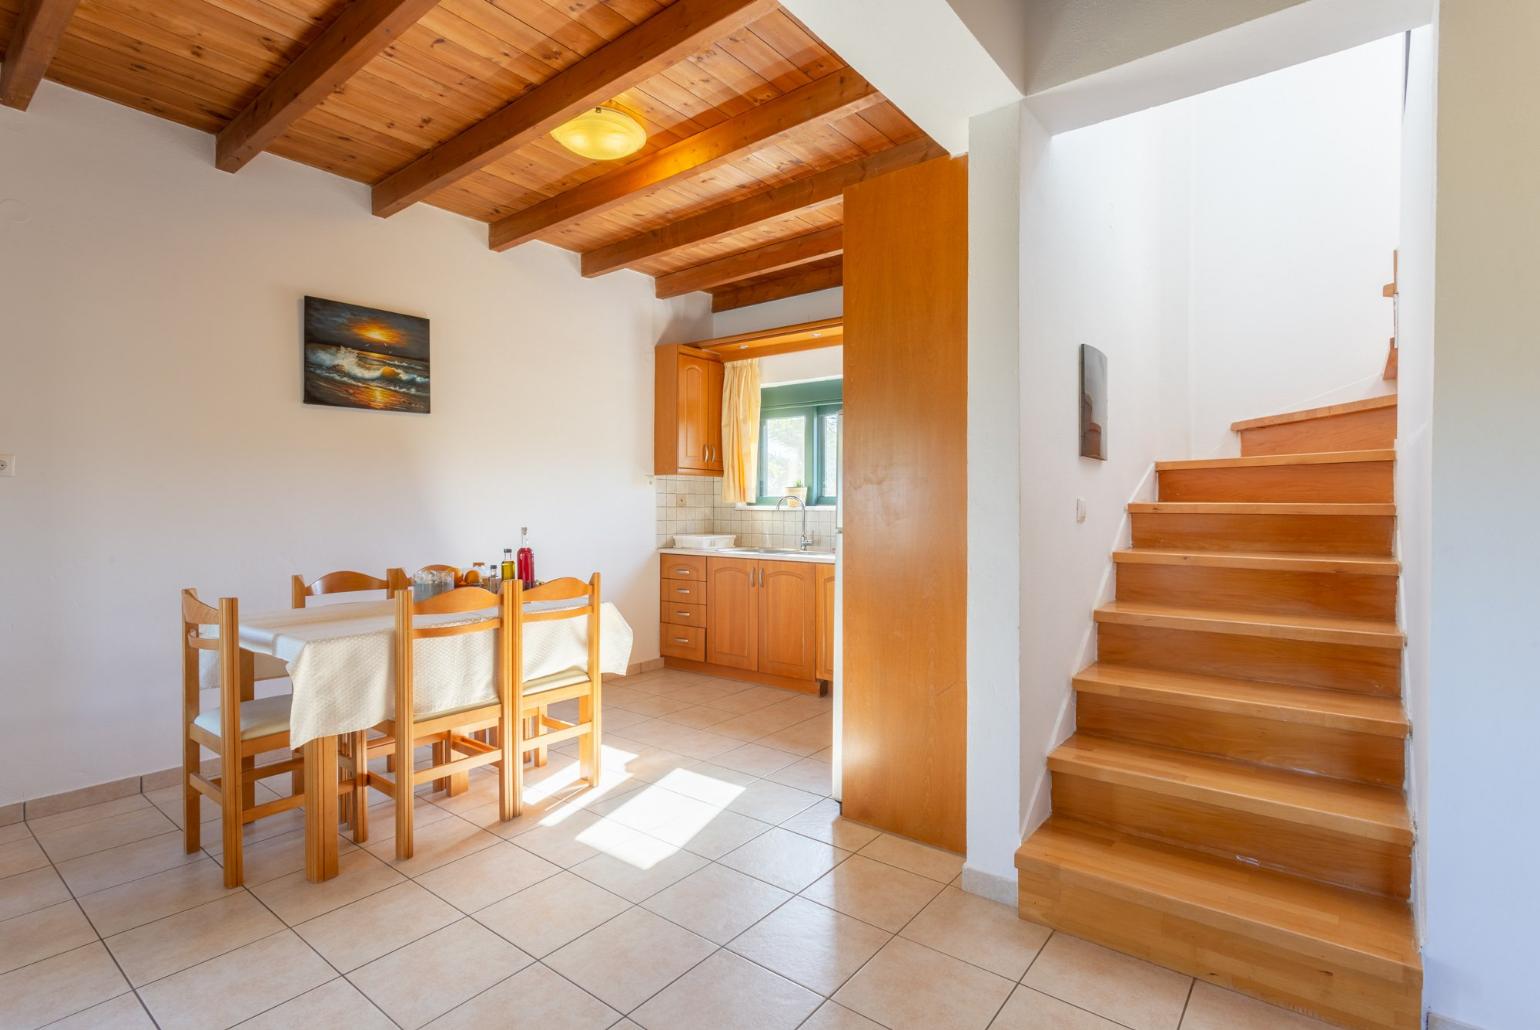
(1093, 403)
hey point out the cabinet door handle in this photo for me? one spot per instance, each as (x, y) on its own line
(686, 614)
(681, 640)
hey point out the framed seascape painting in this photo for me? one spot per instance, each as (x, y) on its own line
(1093, 403)
(358, 357)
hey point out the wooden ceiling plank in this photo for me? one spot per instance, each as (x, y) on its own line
(819, 188)
(360, 33)
(774, 257)
(832, 95)
(809, 280)
(35, 39)
(652, 46)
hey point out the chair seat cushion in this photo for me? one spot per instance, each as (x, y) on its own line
(566, 678)
(258, 718)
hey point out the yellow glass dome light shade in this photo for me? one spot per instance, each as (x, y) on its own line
(601, 134)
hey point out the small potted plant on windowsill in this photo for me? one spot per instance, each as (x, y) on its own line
(799, 491)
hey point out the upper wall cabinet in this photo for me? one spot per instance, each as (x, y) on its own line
(687, 419)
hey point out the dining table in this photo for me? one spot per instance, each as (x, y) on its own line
(341, 661)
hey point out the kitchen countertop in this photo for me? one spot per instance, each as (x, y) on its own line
(818, 557)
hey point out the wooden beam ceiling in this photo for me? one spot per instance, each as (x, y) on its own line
(840, 93)
(747, 264)
(796, 195)
(356, 37)
(684, 27)
(823, 275)
(34, 40)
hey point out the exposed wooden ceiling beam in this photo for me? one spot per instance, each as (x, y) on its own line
(746, 264)
(821, 276)
(797, 195)
(34, 40)
(839, 93)
(356, 37)
(665, 39)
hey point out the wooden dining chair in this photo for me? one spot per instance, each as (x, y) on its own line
(344, 582)
(535, 728)
(456, 751)
(239, 730)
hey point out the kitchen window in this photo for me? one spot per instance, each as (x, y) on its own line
(799, 440)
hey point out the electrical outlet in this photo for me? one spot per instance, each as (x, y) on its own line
(7, 464)
(681, 501)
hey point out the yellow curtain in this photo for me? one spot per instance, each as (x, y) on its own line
(740, 432)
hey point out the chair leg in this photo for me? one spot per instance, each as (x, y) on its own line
(297, 777)
(542, 756)
(441, 756)
(588, 743)
(192, 814)
(359, 799)
(513, 766)
(230, 820)
(249, 781)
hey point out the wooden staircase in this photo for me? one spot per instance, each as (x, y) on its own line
(1231, 804)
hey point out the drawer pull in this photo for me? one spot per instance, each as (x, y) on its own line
(686, 614)
(681, 640)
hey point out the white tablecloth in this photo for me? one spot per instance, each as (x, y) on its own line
(341, 659)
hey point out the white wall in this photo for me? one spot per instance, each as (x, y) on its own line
(151, 392)
(1483, 721)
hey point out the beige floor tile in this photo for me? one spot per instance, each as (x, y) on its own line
(933, 863)
(1214, 1008)
(873, 892)
(91, 873)
(212, 836)
(909, 986)
(617, 719)
(59, 986)
(824, 822)
(759, 723)
(28, 892)
(654, 805)
(772, 802)
(67, 842)
(277, 856)
(716, 902)
(807, 774)
(726, 990)
(21, 855)
(700, 717)
(724, 832)
(817, 947)
(629, 958)
(1029, 1010)
(717, 785)
(294, 899)
(837, 1017)
(355, 934)
(750, 700)
(152, 897)
(427, 978)
(980, 931)
(804, 738)
(476, 881)
(788, 860)
(805, 706)
(84, 797)
(650, 705)
(563, 839)
(10, 833)
(237, 985)
(382, 817)
(534, 997)
(335, 1003)
(755, 759)
(42, 934)
(1124, 989)
(637, 866)
(649, 763)
(438, 843)
(170, 945)
(552, 913)
(90, 813)
(125, 1012)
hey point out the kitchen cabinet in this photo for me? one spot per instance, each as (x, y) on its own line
(687, 414)
(787, 628)
(733, 615)
(825, 615)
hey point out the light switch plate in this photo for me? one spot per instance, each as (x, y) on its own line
(1080, 509)
(7, 464)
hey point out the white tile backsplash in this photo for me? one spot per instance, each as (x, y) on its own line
(693, 504)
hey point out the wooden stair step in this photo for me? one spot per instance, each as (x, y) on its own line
(1258, 508)
(1275, 460)
(1353, 809)
(1325, 411)
(1356, 425)
(1349, 586)
(1344, 955)
(1317, 629)
(1263, 561)
(1365, 476)
(1264, 527)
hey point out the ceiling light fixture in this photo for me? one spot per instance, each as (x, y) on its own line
(602, 134)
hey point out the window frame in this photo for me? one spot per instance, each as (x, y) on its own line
(812, 401)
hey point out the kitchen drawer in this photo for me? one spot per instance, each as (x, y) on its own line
(682, 642)
(677, 613)
(688, 591)
(684, 566)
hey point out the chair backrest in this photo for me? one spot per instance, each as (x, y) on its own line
(463, 600)
(344, 582)
(195, 615)
(585, 603)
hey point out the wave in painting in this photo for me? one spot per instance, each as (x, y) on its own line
(347, 377)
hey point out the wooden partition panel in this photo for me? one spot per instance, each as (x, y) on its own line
(904, 677)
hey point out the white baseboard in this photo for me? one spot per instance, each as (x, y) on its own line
(990, 885)
(1438, 1022)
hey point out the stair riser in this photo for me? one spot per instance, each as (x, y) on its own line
(1257, 590)
(1304, 747)
(1364, 670)
(1347, 859)
(1354, 482)
(1355, 431)
(1271, 534)
(1135, 923)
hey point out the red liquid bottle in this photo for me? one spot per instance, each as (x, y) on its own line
(526, 560)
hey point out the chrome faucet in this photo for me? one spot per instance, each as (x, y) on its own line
(803, 543)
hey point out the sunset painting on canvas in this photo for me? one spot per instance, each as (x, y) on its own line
(358, 357)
